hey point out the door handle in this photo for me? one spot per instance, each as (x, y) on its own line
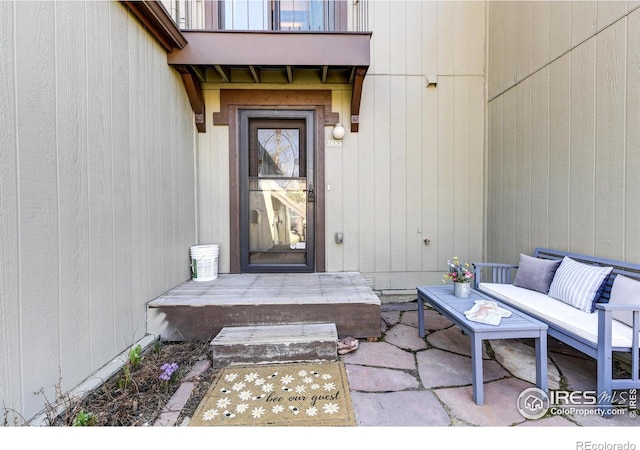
(311, 195)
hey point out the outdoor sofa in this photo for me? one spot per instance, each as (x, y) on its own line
(589, 303)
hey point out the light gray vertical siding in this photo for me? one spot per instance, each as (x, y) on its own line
(100, 177)
(11, 370)
(560, 29)
(213, 184)
(523, 45)
(72, 141)
(559, 154)
(141, 152)
(523, 157)
(421, 149)
(583, 21)
(347, 216)
(540, 23)
(632, 161)
(39, 253)
(509, 174)
(539, 151)
(335, 212)
(577, 190)
(366, 170)
(414, 180)
(398, 213)
(123, 245)
(509, 23)
(495, 35)
(582, 147)
(97, 191)
(494, 179)
(414, 170)
(610, 139)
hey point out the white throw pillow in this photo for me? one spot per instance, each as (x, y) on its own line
(578, 284)
(625, 291)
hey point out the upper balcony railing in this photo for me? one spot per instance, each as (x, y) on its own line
(268, 15)
(187, 14)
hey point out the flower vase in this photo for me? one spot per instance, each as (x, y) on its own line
(462, 290)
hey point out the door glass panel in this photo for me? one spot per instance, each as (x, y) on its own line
(279, 152)
(277, 220)
(277, 194)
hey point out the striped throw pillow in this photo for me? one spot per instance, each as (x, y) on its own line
(578, 284)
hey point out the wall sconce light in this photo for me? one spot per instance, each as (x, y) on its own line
(432, 80)
(338, 131)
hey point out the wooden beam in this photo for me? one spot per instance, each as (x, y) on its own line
(255, 74)
(194, 92)
(224, 74)
(352, 75)
(356, 96)
(241, 48)
(286, 98)
(290, 74)
(323, 77)
(158, 22)
(200, 73)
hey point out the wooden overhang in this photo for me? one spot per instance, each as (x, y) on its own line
(261, 57)
(256, 56)
(153, 15)
(158, 22)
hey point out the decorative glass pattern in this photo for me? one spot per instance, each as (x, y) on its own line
(279, 152)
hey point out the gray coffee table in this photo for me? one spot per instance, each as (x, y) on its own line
(518, 325)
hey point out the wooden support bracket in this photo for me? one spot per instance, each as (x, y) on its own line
(192, 86)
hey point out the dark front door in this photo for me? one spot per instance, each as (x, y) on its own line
(276, 191)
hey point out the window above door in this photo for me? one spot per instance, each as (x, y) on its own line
(285, 15)
(267, 15)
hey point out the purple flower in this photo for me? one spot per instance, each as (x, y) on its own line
(168, 370)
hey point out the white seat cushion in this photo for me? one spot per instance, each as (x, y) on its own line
(560, 314)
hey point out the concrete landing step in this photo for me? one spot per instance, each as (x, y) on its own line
(199, 310)
(275, 343)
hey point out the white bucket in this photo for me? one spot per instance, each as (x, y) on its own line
(204, 262)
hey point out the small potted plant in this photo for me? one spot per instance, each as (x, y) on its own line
(461, 275)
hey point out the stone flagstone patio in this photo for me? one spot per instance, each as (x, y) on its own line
(403, 380)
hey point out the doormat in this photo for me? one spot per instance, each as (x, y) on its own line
(293, 394)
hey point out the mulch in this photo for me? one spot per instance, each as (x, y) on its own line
(136, 395)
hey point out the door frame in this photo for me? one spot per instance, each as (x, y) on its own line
(245, 118)
(233, 102)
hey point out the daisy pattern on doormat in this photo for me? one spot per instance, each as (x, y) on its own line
(278, 394)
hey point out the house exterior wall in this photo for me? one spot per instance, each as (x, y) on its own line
(97, 182)
(414, 169)
(563, 128)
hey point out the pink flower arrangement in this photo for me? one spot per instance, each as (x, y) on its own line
(458, 272)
